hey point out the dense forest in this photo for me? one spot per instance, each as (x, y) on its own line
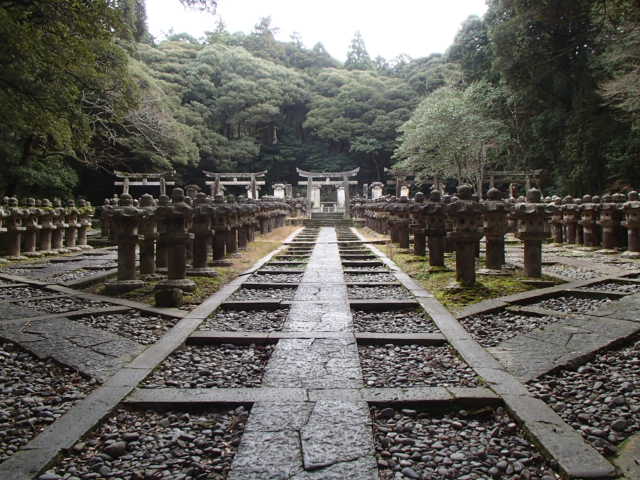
(544, 84)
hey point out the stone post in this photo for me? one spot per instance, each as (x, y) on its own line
(495, 212)
(531, 218)
(32, 227)
(14, 230)
(176, 218)
(149, 232)
(466, 215)
(127, 220)
(418, 225)
(71, 219)
(631, 222)
(436, 231)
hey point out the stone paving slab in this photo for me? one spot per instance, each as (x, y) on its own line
(93, 352)
(559, 344)
(317, 317)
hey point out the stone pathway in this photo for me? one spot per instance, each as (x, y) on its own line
(326, 439)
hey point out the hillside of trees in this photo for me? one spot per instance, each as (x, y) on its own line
(84, 90)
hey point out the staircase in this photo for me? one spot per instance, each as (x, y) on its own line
(319, 219)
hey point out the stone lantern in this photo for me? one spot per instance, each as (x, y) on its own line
(570, 216)
(220, 228)
(495, 212)
(610, 221)
(126, 219)
(588, 220)
(30, 219)
(631, 222)
(14, 230)
(466, 223)
(435, 216)
(3, 215)
(232, 233)
(58, 234)
(531, 216)
(85, 213)
(162, 251)
(149, 233)
(203, 232)
(175, 219)
(73, 224)
(555, 208)
(403, 221)
(105, 219)
(418, 225)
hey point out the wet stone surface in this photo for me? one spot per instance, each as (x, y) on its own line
(224, 366)
(413, 365)
(135, 444)
(275, 278)
(33, 393)
(246, 321)
(141, 328)
(62, 304)
(395, 321)
(369, 277)
(414, 444)
(491, 329)
(617, 287)
(263, 294)
(574, 273)
(378, 293)
(22, 292)
(571, 304)
(600, 399)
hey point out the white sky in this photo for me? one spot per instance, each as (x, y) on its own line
(389, 27)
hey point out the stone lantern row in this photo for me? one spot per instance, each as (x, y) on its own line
(442, 223)
(178, 235)
(40, 227)
(456, 223)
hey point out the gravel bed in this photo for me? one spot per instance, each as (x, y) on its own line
(23, 292)
(370, 277)
(491, 329)
(136, 444)
(293, 266)
(378, 269)
(600, 399)
(62, 304)
(413, 365)
(379, 293)
(246, 321)
(6, 282)
(571, 304)
(142, 328)
(574, 273)
(33, 394)
(275, 278)
(458, 445)
(395, 321)
(263, 294)
(617, 287)
(223, 366)
(72, 275)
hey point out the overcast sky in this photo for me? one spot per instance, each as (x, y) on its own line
(389, 27)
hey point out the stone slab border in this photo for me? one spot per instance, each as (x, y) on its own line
(41, 451)
(449, 396)
(576, 459)
(91, 279)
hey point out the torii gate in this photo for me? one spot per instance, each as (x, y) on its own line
(344, 182)
(252, 184)
(400, 179)
(514, 175)
(143, 180)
